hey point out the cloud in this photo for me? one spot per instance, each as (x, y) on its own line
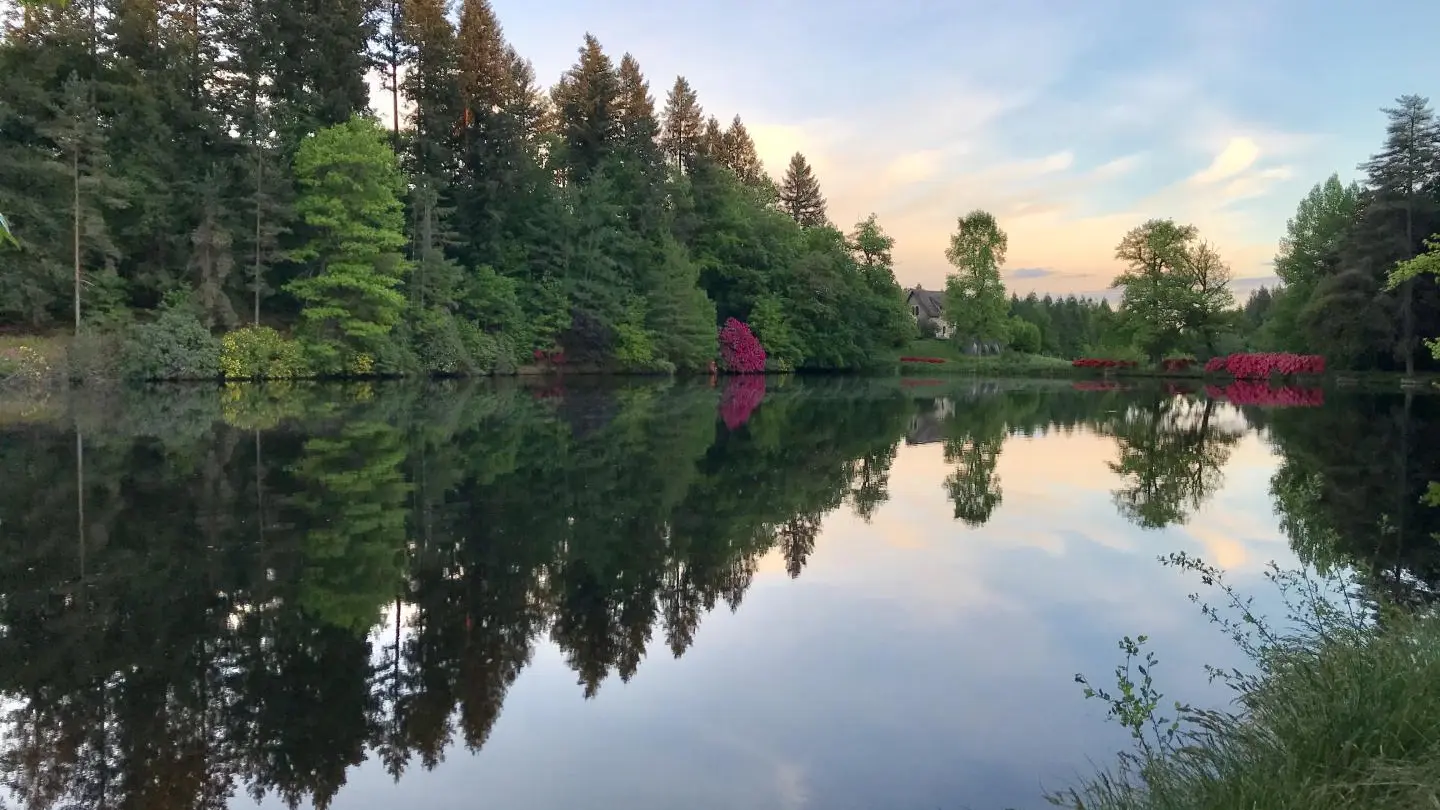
(1029, 272)
(1238, 155)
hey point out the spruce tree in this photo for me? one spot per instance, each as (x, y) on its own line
(800, 194)
(682, 126)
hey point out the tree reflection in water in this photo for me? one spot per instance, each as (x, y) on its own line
(195, 583)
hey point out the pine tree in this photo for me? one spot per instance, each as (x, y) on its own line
(588, 110)
(740, 155)
(488, 141)
(800, 194)
(350, 187)
(635, 111)
(390, 53)
(481, 62)
(320, 53)
(682, 126)
(76, 132)
(712, 142)
(1402, 210)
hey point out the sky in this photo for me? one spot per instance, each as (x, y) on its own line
(1072, 122)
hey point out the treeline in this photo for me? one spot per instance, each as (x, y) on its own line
(1344, 243)
(1068, 327)
(1176, 299)
(216, 162)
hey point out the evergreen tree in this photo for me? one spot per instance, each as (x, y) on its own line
(390, 53)
(1402, 211)
(740, 155)
(320, 54)
(588, 108)
(350, 197)
(76, 132)
(800, 194)
(683, 126)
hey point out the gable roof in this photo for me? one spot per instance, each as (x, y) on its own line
(931, 303)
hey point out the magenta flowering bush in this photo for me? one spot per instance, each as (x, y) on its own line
(1266, 364)
(740, 350)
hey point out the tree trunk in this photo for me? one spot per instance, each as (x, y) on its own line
(75, 180)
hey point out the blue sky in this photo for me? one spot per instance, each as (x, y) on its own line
(1071, 121)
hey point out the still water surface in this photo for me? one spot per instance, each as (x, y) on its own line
(827, 594)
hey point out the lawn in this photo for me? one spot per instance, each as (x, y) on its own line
(1009, 364)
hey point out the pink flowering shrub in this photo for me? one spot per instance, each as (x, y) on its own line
(742, 396)
(1266, 364)
(740, 350)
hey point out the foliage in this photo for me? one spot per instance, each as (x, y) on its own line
(175, 346)
(260, 353)
(974, 294)
(1332, 714)
(1176, 288)
(740, 350)
(1024, 336)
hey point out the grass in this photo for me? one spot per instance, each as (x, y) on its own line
(1010, 364)
(1338, 714)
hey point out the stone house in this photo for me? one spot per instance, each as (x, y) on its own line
(928, 307)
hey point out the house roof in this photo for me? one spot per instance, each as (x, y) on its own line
(931, 303)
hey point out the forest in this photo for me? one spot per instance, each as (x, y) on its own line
(204, 182)
(200, 188)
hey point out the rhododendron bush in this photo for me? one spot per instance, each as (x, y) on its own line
(1249, 392)
(741, 397)
(740, 350)
(932, 360)
(1099, 362)
(1269, 364)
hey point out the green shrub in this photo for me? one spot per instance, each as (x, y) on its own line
(95, 357)
(440, 345)
(260, 353)
(175, 346)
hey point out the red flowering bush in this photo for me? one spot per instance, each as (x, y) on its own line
(1177, 363)
(935, 360)
(1098, 362)
(556, 357)
(1250, 392)
(742, 396)
(1266, 364)
(740, 350)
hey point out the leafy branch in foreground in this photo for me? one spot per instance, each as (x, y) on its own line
(1338, 709)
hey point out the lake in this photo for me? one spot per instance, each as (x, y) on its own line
(827, 593)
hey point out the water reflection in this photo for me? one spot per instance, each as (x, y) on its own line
(196, 583)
